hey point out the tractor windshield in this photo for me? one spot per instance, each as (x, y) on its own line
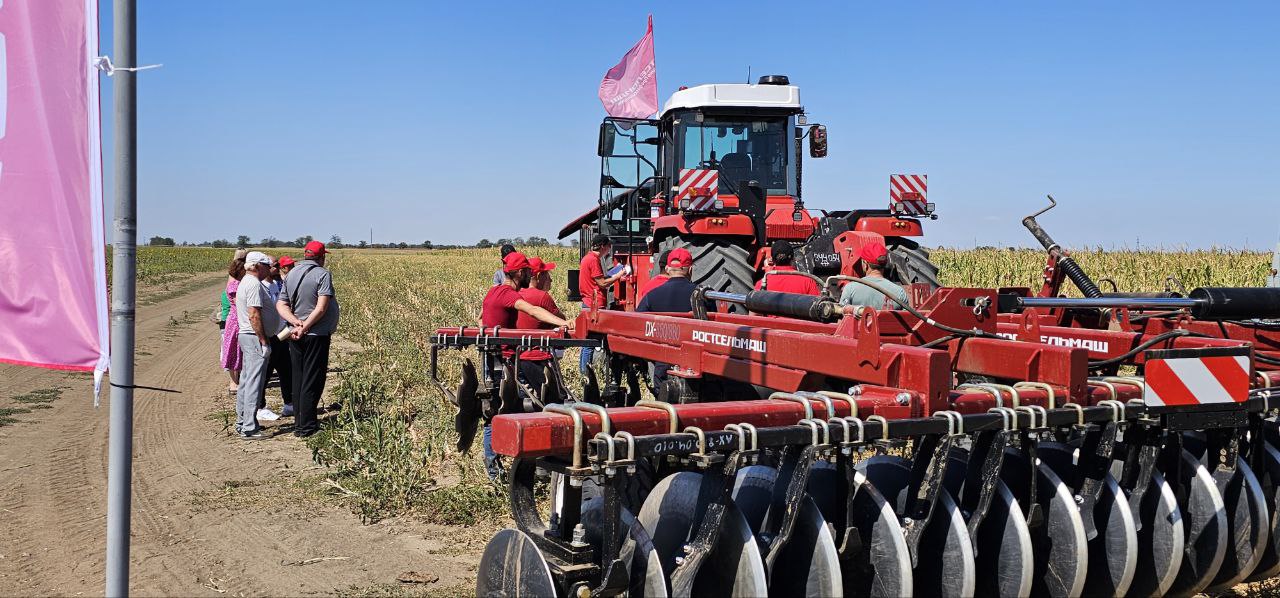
(742, 149)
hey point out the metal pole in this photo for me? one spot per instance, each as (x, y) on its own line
(1156, 302)
(124, 256)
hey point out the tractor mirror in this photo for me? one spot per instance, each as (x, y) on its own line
(608, 135)
(817, 141)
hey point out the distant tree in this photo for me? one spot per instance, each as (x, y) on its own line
(335, 242)
(161, 242)
(501, 242)
(403, 245)
(518, 241)
(302, 241)
(363, 244)
(484, 244)
(243, 241)
(426, 245)
(270, 242)
(221, 243)
(537, 242)
(573, 243)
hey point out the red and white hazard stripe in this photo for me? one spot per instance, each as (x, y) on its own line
(1197, 380)
(699, 186)
(908, 193)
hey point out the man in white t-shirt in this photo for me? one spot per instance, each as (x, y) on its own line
(258, 321)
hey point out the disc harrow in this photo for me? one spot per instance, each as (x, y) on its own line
(950, 448)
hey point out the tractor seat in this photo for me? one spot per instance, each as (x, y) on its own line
(735, 167)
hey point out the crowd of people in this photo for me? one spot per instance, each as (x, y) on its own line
(278, 316)
(519, 298)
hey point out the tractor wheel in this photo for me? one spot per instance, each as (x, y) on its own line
(717, 264)
(909, 263)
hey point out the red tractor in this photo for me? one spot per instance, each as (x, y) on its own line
(719, 173)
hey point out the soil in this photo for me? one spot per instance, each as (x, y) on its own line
(212, 514)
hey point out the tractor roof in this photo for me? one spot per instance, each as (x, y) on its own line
(736, 95)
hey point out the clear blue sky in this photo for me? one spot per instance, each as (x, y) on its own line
(1153, 124)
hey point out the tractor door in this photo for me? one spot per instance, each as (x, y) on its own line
(628, 153)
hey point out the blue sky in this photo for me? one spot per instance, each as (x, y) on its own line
(1154, 124)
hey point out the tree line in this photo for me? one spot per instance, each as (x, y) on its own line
(335, 242)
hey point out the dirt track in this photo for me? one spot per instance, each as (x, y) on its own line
(212, 515)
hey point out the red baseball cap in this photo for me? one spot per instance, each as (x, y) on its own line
(538, 266)
(514, 262)
(314, 248)
(873, 252)
(679, 258)
(285, 261)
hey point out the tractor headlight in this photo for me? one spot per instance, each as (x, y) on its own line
(684, 204)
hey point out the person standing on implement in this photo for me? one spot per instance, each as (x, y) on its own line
(309, 305)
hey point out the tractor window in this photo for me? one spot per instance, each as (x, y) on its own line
(742, 149)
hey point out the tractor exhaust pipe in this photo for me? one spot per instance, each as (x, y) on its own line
(1065, 262)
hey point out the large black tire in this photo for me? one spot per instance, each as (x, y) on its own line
(717, 264)
(909, 263)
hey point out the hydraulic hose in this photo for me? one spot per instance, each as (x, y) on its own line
(1155, 340)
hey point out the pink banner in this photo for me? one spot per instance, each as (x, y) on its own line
(53, 282)
(630, 89)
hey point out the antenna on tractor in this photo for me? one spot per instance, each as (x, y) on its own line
(748, 74)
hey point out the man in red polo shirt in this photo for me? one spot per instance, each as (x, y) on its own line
(533, 360)
(783, 276)
(593, 285)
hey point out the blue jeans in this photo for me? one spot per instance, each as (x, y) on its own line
(490, 457)
(584, 360)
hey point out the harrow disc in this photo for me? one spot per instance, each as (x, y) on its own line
(1161, 539)
(646, 578)
(735, 566)
(1269, 478)
(512, 565)
(1248, 526)
(467, 419)
(1113, 552)
(1004, 557)
(809, 563)
(1060, 545)
(1205, 521)
(874, 556)
(944, 557)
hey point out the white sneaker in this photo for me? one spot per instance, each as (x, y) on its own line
(267, 415)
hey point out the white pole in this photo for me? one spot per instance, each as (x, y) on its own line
(124, 256)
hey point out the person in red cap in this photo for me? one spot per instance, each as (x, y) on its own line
(673, 296)
(502, 306)
(308, 303)
(783, 276)
(286, 264)
(875, 258)
(537, 294)
(594, 285)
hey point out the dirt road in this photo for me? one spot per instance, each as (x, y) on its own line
(212, 515)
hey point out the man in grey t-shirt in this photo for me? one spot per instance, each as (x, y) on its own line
(257, 317)
(309, 305)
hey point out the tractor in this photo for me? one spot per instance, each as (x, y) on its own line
(719, 173)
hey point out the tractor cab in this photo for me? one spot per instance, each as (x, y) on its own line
(719, 173)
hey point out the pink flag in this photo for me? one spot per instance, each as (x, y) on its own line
(53, 282)
(630, 89)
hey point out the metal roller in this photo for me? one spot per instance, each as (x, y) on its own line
(809, 564)
(734, 568)
(1205, 524)
(945, 558)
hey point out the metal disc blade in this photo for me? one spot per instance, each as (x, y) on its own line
(1205, 523)
(1269, 478)
(809, 563)
(1248, 526)
(945, 563)
(1005, 559)
(882, 565)
(735, 567)
(512, 565)
(1061, 549)
(1160, 541)
(644, 569)
(1113, 552)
